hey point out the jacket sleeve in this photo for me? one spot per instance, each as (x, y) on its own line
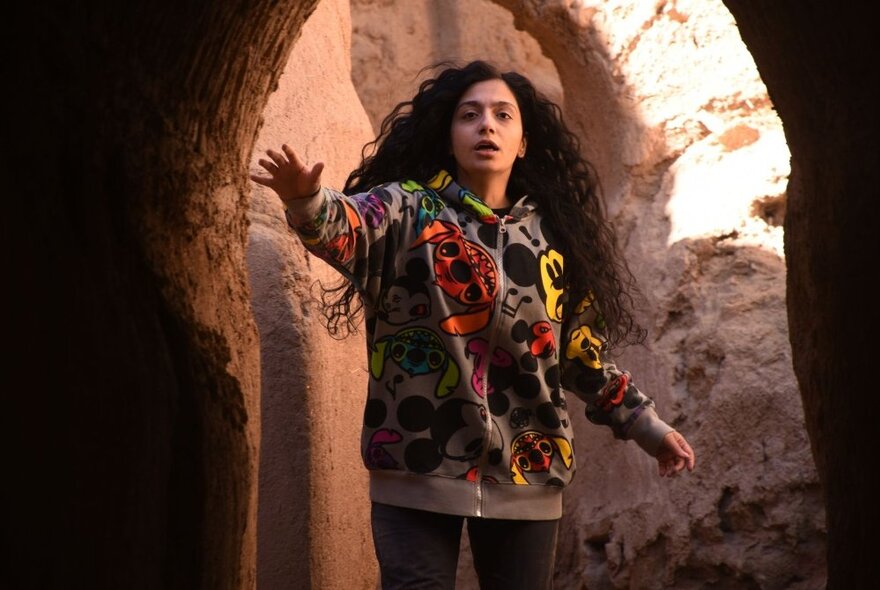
(352, 233)
(611, 397)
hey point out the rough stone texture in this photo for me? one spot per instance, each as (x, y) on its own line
(705, 167)
(314, 506)
(394, 40)
(135, 369)
(830, 241)
(694, 167)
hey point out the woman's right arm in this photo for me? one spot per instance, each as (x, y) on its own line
(348, 232)
(290, 178)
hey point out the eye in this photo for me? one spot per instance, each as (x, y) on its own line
(468, 115)
(435, 359)
(505, 115)
(398, 351)
(449, 250)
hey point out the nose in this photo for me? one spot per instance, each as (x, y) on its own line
(487, 125)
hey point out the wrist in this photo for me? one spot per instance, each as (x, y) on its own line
(297, 201)
(305, 209)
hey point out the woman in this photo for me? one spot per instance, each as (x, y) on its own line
(475, 242)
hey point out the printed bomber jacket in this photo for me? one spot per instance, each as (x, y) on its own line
(470, 355)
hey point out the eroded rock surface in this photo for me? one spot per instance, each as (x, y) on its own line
(694, 167)
(313, 506)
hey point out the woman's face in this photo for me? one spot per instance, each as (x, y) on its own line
(487, 131)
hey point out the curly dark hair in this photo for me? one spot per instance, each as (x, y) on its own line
(552, 172)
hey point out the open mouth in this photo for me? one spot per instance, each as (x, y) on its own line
(486, 146)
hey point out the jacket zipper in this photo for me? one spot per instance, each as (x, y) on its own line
(487, 436)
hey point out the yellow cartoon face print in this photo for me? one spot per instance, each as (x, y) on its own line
(552, 283)
(584, 346)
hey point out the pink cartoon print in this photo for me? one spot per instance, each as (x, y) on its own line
(376, 455)
(478, 348)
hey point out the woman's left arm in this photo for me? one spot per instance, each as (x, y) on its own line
(611, 397)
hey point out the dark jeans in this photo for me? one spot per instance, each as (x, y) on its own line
(419, 550)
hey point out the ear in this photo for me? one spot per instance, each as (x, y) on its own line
(449, 380)
(516, 474)
(565, 452)
(522, 148)
(377, 359)
(440, 181)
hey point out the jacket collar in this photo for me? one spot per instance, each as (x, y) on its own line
(443, 184)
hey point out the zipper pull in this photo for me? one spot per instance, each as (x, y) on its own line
(502, 229)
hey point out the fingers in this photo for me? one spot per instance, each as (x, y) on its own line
(261, 180)
(679, 464)
(291, 155)
(664, 469)
(287, 159)
(268, 165)
(315, 174)
(291, 178)
(675, 456)
(690, 457)
(278, 158)
(677, 444)
(671, 467)
(685, 451)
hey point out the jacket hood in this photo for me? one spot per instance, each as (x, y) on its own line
(460, 197)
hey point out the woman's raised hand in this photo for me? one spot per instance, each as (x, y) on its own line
(290, 177)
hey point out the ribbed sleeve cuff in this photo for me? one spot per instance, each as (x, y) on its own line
(303, 211)
(649, 430)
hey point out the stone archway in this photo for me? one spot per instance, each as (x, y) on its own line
(828, 116)
(134, 371)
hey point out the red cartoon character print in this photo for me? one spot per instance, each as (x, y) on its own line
(341, 248)
(532, 452)
(465, 272)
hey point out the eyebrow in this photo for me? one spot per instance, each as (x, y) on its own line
(476, 103)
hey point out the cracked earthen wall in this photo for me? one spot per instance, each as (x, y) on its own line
(694, 165)
(314, 511)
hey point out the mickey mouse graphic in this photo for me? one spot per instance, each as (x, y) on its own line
(407, 299)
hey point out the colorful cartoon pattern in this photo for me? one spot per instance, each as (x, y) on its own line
(470, 350)
(533, 452)
(465, 272)
(417, 351)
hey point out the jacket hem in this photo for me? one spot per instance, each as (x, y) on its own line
(448, 495)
